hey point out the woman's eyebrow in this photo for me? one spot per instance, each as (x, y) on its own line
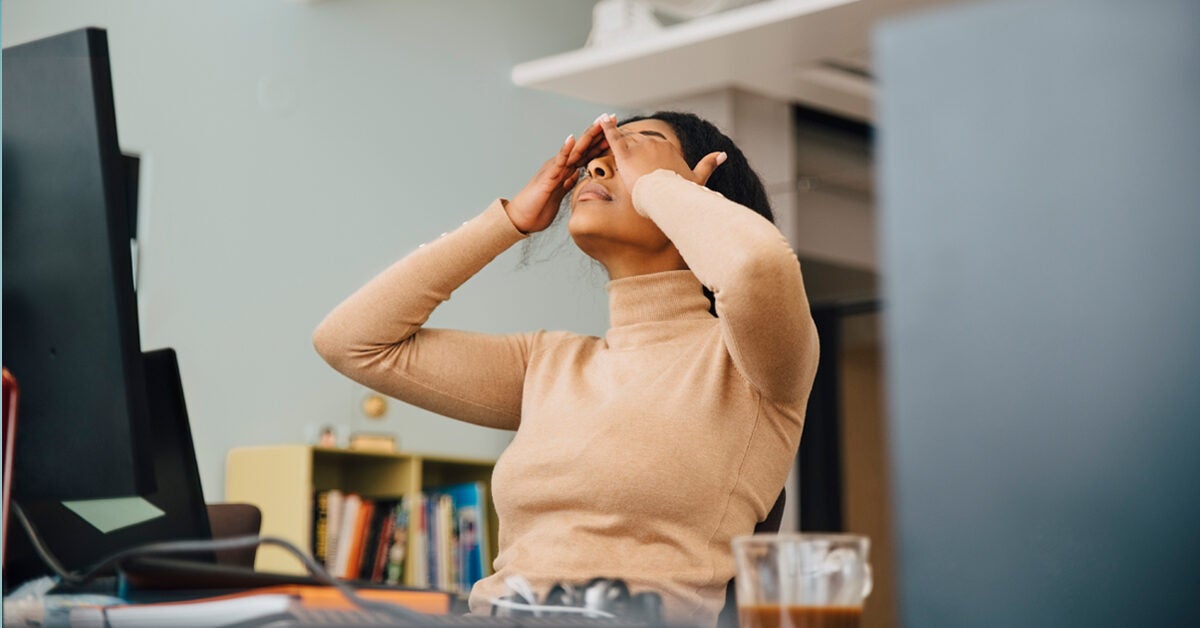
(654, 133)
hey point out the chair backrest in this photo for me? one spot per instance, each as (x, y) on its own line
(728, 617)
(232, 520)
(775, 517)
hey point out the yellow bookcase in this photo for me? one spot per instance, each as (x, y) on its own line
(282, 480)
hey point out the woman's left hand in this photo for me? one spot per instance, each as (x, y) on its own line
(637, 155)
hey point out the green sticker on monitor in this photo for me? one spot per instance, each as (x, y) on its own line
(107, 515)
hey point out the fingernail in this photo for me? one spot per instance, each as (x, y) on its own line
(568, 140)
(599, 118)
(721, 157)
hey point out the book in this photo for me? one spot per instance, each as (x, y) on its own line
(433, 556)
(471, 518)
(320, 525)
(383, 543)
(334, 500)
(374, 537)
(445, 554)
(264, 606)
(209, 612)
(365, 441)
(462, 536)
(419, 560)
(362, 523)
(346, 535)
(398, 551)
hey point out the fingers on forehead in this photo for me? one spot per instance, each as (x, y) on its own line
(600, 150)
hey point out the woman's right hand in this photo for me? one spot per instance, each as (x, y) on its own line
(536, 205)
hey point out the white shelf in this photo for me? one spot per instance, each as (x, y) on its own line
(764, 47)
(776, 48)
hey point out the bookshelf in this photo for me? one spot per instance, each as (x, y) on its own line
(282, 480)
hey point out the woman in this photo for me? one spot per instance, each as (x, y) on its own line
(641, 454)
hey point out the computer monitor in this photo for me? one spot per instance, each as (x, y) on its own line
(98, 419)
(177, 505)
(1040, 214)
(70, 316)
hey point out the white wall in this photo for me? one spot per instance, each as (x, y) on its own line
(294, 149)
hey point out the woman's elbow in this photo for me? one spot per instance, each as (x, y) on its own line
(765, 265)
(330, 344)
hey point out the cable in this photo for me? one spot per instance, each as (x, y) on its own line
(42, 551)
(203, 546)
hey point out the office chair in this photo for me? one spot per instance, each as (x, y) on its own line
(231, 520)
(729, 615)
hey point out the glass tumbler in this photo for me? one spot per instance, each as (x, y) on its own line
(801, 580)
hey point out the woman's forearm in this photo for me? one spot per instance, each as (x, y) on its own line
(394, 304)
(751, 269)
(375, 336)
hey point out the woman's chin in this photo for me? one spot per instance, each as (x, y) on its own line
(589, 235)
(585, 220)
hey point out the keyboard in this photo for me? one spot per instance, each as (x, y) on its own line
(301, 616)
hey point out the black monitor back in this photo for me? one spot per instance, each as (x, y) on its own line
(70, 315)
(179, 495)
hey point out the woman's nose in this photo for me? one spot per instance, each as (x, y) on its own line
(601, 167)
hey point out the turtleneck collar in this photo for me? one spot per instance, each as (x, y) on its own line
(674, 295)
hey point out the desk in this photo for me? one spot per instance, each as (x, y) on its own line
(285, 606)
(33, 604)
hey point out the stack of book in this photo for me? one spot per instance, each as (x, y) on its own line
(356, 538)
(435, 539)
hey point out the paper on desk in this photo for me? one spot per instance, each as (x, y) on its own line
(107, 515)
(199, 614)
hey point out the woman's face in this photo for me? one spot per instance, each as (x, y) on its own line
(603, 222)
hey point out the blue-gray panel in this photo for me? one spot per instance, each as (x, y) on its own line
(1040, 200)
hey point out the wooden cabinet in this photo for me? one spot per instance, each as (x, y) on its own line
(282, 480)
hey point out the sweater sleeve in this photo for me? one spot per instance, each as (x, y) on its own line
(753, 273)
(376, 338)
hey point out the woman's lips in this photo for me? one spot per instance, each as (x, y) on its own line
(593, 192)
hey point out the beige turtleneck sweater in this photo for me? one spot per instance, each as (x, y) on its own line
(637, 455)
